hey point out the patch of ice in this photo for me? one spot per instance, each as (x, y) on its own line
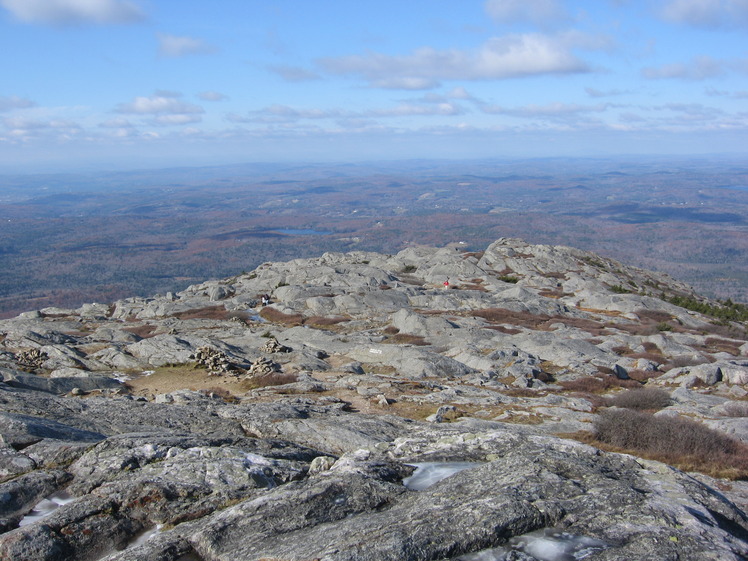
(147, 372)
(145, 535)
(543, 545)
(430, 473)
(46, 506)
(121, 377)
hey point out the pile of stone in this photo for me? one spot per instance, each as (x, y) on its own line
(273, 346)
(215, 361)
(31, 358)
(262, 367)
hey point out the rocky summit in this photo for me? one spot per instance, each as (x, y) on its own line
(436, 404)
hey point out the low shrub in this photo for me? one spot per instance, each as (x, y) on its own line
(683, 443)
(642, 399)
(618, 289)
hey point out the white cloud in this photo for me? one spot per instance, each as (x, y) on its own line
(536, 11)
(409, 109)
(549, 111)
(118, 123)
(405, 83)
(178, 119)
(594, 92)
(14, 102)
(499, 58)
(178, 46)
(72, 12)
(285, 114)
(699, 68)
(212, 96)
(294, 73)
(159, 104)
(706, 13)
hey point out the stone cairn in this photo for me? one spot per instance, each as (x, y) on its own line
(31, 358)
(273, 346)
(262, 367)
(215, 361)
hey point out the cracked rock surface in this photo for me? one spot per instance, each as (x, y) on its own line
(205, 427)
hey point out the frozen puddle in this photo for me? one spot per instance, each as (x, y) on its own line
(46, 507)
(430, 473)
(145, 535)
(543, 545)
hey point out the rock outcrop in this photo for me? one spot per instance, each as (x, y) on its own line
(369, 413)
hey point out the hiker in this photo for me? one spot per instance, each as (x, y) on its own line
(265, 299)
(446, 284)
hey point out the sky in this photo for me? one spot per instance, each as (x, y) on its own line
(119, 84)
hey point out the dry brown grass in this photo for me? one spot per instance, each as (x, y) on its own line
(268, 380)
(223, 393)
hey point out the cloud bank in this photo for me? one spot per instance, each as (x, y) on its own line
(74, 12)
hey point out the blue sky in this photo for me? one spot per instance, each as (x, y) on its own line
(113, 84)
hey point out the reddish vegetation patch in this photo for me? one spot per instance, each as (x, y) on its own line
(594, 384)
(407, 339)
(209, 312)
(502, 315)
(144, 331)
(555, 293)
(502, 329)
(275, 316)
(554, 275)
(715, 345)
(653, 316)
(322, 322)
(292, 320)
(539, 322)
